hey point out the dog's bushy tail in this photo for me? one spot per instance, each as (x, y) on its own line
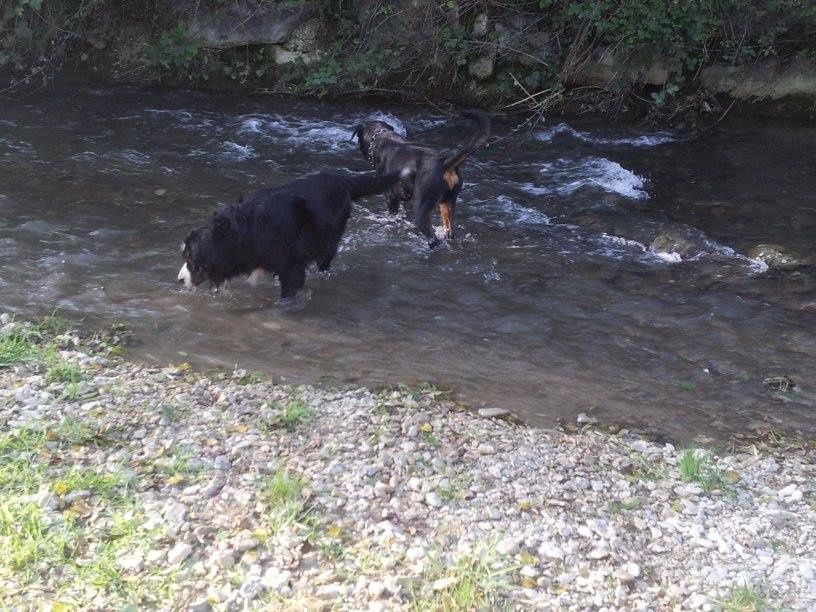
(361, 186)
(478, 139)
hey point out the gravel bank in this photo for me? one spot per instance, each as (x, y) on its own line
(173, 489)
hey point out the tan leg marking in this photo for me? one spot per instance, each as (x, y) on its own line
(451, 178)
(446, 213)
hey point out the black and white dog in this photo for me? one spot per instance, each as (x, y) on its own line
(280, 230)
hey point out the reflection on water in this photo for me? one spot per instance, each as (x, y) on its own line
(599, 269)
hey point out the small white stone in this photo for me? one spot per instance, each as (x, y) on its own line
(375, 589)
(433, 499)
(549, 550)
(381, 489)
(131, 562)
(275, 579)
(493, 413)
(507, 546)
(528, 571)
(787, 491)
(179, 553)
(628, 572)
(443, 583)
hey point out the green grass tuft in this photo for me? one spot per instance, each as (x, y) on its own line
(474, 582)
(745, 599)
(295, 413)
(29, 541)
(649, 469)
(285, 501)
(31, 343)
(698, 466)
(105, 485)
(60, 370)
(20, 345)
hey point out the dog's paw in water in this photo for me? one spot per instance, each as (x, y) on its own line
(297, 302)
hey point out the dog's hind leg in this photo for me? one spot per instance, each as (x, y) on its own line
(427, 194)
(423, 208)
(447, 204)
(446, 214)
(292, 280)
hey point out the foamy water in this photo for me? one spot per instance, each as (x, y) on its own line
(637, 140)
(566, 176)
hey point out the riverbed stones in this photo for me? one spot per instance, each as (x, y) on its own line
(179, 553)
(363, 508)
(777, 256)
(494, 413)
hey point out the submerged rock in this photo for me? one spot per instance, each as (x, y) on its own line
(681, 243)
(777, 256)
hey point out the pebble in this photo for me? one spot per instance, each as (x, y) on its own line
(179, 553)
(493, 413)
(376, 589)
(276, 579)
(330, 591)
(507, 546)
(629, 572)
(549, 550)
(433, 500)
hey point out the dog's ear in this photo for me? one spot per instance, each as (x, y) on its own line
(221, 225)
(358, 129)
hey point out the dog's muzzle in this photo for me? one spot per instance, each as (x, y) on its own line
(185, 277)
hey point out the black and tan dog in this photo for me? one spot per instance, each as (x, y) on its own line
(435, 181)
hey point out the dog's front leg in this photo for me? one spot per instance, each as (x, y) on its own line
(393, 204)
(325, 263)
(292, 280)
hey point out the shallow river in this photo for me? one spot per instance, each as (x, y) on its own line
(552, 301)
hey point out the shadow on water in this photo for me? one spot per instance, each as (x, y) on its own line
(598, 270)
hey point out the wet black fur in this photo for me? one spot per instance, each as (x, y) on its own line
(426, 187)
(280, 230)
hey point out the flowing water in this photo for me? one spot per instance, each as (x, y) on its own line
(551, 302)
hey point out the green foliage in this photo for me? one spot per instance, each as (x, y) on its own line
(417, 49)
(28, 539)
(283, 495)
(175, 52)
(698, 466)
(473, 582)
(745, 598)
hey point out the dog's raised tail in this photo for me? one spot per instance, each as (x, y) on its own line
(361, 186)
(478, 139)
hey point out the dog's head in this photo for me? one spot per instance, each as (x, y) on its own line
(367, 134)
(206, 250)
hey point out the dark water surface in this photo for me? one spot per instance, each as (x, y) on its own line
(550, 303)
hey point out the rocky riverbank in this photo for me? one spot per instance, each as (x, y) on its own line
(125, 487)
(668, 61)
